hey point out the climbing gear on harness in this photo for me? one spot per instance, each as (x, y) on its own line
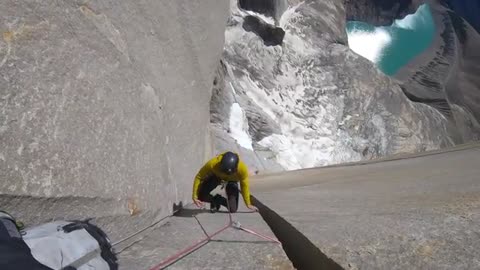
(20, 226)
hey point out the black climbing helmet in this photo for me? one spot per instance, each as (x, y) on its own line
(229, 163)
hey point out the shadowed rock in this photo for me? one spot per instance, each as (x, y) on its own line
(301, 251)
(266, 7)
(380, 12)
(270, 34)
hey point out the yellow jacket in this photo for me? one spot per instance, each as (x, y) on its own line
(213, 167)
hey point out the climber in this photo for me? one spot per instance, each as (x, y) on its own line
(226, 167)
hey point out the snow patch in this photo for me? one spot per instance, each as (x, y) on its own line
(407, 23)
(296, 151)
(259, 97)
(239, 127)
(420, 17)
(369, 44)
(301, 46)
(300, 145)
(289, 14)
(264, 18)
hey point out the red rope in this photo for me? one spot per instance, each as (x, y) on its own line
(172, 259)
(188, 250)
(260, 235)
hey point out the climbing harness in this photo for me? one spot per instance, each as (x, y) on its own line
(230, 224)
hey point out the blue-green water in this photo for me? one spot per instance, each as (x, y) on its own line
(392, 47)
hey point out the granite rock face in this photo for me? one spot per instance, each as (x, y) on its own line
(104, 105)
(330, 105)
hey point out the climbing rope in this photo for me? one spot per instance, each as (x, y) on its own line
(144, 229)
(231, 223)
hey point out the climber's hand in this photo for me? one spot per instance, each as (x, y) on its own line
(198, 203)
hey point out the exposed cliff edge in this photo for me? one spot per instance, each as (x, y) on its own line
(320, 102)
(445, 76)
(104, 105)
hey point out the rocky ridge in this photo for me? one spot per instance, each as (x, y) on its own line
(319, 103)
